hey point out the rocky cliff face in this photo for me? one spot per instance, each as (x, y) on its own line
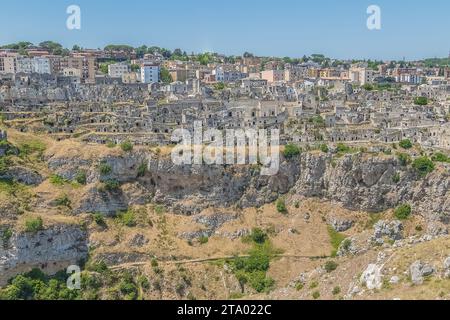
(356, 181)
(365, 182)
(43, 249)
(185, 189)
(359, 182)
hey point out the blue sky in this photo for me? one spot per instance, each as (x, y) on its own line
(410, 28)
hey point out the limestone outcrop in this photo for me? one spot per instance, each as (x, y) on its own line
(357, 181)
(55, 245)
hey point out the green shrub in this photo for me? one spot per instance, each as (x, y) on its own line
(396, 177)
(255, 262)
(99, 219)
(34, 224)
(128, 287)
(80, 177)
(336, 291)
(98, 266)
(421, 101)
(318, 121)
(63, 201)
(203, 239)
(342, 148)
(403, 212)
(11, 293)
(440, 157)
(260, 281)
(35, 285)
(142, 170)
(281, 206)
(405, 144)
(111, 144)
(57, 180)
(423, 165)
(291, 150)
(330, 266)
(126, 146)
(404, 159)
(6, 234)
(252, 270)
(104, 168)
(90, 281)
(219, 86)
(111, 185)
(127, 218)
(316, 295)
(324, 148)
(258, 236)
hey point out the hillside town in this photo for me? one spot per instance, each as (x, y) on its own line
(357, 206)
(143, 94)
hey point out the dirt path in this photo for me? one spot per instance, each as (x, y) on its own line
(203, 260)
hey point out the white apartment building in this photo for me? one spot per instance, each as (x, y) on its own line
(24, 65)
(117, 70)
(42, 65)
(149, 73)
(39, 65)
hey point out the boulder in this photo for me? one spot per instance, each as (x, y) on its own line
(371, 277)
(393, 230)
(418, 270)
(394, 280)
(340, 224)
